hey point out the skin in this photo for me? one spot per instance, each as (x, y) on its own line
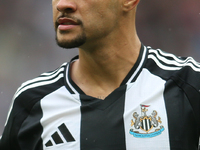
(110, 47)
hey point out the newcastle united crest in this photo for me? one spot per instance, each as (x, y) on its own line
(144, 125)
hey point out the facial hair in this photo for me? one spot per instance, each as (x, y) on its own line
(73, 43)
(79, 40)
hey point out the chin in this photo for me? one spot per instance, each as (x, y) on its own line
(71, 43)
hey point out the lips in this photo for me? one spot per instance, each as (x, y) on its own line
(66, 23)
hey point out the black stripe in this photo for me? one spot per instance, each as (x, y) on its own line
(57, 138)
(66, 134)
(102, 124)
(168, 56)
(142, 125)
(29, 135)
(163, 62)
(147, 127)
(149, 123)
(183, 127)
(48, 144)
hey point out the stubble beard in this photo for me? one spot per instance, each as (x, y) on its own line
(73, 43)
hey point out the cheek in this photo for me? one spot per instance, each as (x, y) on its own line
(95, 21)
(97, 18)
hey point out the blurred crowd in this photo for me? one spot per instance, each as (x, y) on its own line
(28, 47)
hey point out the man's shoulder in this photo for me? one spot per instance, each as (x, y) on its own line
(33, 91)
(41, 85)
(168, 66)
(170, 62)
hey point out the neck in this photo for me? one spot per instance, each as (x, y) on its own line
(103, 70)
(103, 66)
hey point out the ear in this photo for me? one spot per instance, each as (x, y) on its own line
(129, 4)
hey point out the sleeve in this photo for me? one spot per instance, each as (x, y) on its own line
(16, 136)
(18, 112)
(188, 78)
(15, 118)
(23, 128)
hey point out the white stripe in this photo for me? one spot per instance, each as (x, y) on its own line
(67, 80)
(52, 72)
(38, 79)
(178, 62)
(172, 62)
(137, 95)
(61, 107)
(140, 65)
(190, 64)
(161, 65)
(176, 59)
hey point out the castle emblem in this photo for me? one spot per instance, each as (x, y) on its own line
(146, 126)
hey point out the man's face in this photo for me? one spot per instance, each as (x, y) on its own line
(82, 22)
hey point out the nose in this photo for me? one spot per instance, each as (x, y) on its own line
(66, 6)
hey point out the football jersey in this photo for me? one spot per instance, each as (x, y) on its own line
(156, 107)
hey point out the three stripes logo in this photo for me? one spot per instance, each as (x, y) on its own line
(58, 137)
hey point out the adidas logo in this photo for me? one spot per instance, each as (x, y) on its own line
(59, 137)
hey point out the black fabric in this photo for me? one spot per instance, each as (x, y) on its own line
(106, 122)
(183, 127)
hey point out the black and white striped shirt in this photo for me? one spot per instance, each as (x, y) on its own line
(157, 107)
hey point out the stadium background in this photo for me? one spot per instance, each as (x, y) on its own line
(28, 48)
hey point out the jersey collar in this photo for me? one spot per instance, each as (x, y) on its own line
(131, 76)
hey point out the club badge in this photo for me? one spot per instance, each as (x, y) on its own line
(144, 125)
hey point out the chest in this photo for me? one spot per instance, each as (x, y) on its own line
(129, 117)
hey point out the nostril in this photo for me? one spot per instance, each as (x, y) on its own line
(69, 10)
(66, 10)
